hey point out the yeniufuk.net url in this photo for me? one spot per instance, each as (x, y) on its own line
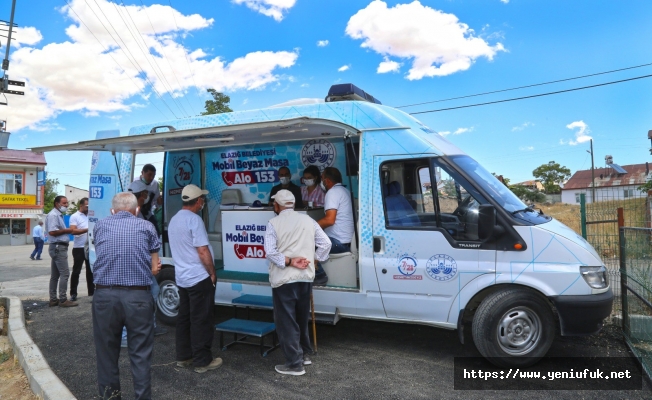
(548, 375)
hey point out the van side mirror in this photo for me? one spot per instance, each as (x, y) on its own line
(486, 221)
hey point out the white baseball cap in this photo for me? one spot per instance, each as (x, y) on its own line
(137, 186)
(284, 198)
(191, 192)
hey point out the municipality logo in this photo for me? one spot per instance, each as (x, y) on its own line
(320, 153)
(441, 267)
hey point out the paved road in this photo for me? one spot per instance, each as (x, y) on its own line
(357, 359)
(25, 278)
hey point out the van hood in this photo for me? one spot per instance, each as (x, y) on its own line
(560, 229)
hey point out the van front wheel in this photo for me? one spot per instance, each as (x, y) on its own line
(167, 303)
(513, 328)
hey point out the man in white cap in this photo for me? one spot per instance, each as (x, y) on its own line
(290, 242)
(195, 275)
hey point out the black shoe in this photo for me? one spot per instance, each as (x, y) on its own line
(320, 280)
(306, 360)
(282, 369)
(159, 330)
(73, 297)
(32, 257)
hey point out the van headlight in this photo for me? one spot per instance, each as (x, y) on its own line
(596, 277)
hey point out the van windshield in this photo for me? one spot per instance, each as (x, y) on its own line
(492, 186)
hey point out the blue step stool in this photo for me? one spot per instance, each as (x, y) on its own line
(250, 301)
(248, 328)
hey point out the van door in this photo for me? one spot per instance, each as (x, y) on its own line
(426, 237)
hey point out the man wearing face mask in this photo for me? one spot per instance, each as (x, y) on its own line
(79, 220)
(58, 250)
(195, 275)
(284, 176)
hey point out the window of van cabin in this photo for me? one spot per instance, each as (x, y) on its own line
(11, 183)
(411, 198)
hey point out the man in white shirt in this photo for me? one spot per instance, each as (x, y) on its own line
(338, 218)
(147, 176)
(292, 242)
(79, 221)
(39, 240)
(195, 276)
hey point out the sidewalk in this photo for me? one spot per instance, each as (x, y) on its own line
(28, 279)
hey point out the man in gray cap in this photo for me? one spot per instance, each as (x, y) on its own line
(290, 242)
(195, 276)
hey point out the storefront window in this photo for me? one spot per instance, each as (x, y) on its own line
(4, 226)
(11, 183)
(18, 226)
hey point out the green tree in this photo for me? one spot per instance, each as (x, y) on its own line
(527, 194)
(160, 184)
(219, 104)
(501, 178)
(72, 208)
(50, 193)
(551, 175)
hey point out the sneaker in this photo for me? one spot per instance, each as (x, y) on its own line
(159, 330)
(215, 364)
(68, 303)
(306, 360)
(32, 257)
(282, 369)
(123, 343)
(73, 297)
(54, 303)
(184, 364)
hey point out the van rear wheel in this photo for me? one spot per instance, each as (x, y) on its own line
(167, 303)
(513, 328)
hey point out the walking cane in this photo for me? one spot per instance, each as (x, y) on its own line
(314, 325)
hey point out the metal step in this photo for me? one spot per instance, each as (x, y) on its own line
(327, 318)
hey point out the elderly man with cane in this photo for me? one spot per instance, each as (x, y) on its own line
(127, 256)
(292, 242)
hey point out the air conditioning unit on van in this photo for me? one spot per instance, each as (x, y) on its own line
(348, 91)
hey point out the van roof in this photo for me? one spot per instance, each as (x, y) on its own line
(301, 122)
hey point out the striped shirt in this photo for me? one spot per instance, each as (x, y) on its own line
(317, 196)
(123, 246)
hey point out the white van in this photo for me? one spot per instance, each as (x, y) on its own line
(439, 240)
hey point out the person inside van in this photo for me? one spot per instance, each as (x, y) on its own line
(312, 191)
(338, 218)
(285, 177)
(147, 176)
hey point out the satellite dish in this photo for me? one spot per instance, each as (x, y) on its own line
(608, 159)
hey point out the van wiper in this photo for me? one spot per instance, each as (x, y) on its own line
(528, 208)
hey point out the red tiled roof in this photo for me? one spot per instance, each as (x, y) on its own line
(605, 177)
(21, 157)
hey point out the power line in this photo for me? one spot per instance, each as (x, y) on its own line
(192, 73)
(146, 52)
(527, 86)
(139, 68)
(110, 55)
(165, 56)
(534, 95)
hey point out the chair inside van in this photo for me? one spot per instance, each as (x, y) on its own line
(229, 196)
(399, 210)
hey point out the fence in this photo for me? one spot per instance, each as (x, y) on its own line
(636, 286)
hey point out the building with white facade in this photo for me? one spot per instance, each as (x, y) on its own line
(21, 198)
(74, 194)
(609, 185)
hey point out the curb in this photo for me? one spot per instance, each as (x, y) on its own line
(43, 382)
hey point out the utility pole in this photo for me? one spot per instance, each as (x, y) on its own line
(592, 175)
(5, 82)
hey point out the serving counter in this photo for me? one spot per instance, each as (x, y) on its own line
(243, 236)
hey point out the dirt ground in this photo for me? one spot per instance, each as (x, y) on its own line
(14, 382)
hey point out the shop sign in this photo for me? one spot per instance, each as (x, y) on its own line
(25, 199)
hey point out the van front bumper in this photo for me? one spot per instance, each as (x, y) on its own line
(583, 315)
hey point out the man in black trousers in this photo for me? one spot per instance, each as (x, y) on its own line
(127, 256)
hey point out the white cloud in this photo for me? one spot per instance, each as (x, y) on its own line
(322, 43)
(304, 85)
(459, 131)
(523, 126)
(81, 75)
(504, 1)
(436, 42)
(25, 36)
(270, 8)
(526, 148)
(581, 135)
(245, 101)
(445, 133)
(343, 68)
(388, 66)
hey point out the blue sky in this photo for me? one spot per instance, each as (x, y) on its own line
(265, 52)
